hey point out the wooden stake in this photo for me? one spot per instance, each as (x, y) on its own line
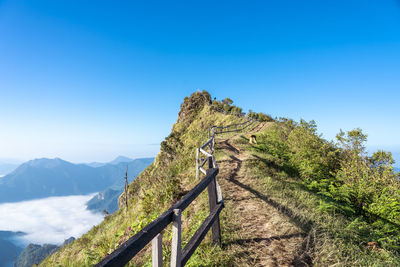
(126, 187)
(176, 252)
(212, 200)
(156, 246)
(197, 163)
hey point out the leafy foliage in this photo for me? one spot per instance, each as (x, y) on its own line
(260, 116)
(226, 106)
(354, 199)
(365, 189)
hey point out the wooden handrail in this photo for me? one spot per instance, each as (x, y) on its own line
(124, 253)
(207, 143)
(222, 129)
(200, 233)
(152, 232)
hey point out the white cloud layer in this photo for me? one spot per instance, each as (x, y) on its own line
(49, 220)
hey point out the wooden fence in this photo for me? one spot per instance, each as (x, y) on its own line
(152, 232)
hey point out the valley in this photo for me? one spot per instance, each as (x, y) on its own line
(47, 201)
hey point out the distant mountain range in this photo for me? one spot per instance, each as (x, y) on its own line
(106, 200)
(44, 177)
(117, 160)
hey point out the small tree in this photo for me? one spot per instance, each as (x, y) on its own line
(227, 101)
(355, 172)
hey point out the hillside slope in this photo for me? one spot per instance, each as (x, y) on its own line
(283, 215)
(160, 185)
(274, 216)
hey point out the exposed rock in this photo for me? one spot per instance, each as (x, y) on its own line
(192, 105)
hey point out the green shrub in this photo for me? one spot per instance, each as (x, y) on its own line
(366, 189)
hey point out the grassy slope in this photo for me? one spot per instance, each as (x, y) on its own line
(160, 185)
(330, 239)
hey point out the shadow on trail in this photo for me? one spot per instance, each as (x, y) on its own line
(303, 257)
(239, 199)
(265, 239)
(257, 127)
(305, 225)
(226, 145)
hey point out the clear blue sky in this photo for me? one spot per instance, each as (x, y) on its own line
(89, 80)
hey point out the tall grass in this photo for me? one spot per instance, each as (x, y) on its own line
(304, 179)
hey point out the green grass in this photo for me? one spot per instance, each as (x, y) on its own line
(154, 191)
(336, 237)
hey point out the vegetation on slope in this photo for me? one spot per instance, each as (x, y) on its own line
(165, 181)
(349, 202)
(346, 202)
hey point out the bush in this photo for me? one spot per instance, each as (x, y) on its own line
(366, 189)
(315, 158)
(259, 116)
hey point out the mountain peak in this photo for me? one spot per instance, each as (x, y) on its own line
(120, 159)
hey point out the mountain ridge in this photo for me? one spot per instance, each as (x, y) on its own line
(45, 177)
(156, 188)
(290, 198)
(117, 160)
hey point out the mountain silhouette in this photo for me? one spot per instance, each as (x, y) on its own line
(45, 177)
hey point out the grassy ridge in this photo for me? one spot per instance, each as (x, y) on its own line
(348, 203)
(160, 185)
(335, 191)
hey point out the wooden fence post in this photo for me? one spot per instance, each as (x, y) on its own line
(156, 246)
(197, 163)
(212, 200)
(176, 253)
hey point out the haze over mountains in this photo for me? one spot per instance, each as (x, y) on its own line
(7, 167)
(8, 250)
(117, 160)
(44, 177)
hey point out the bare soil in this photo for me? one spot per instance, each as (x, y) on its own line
(263, 234)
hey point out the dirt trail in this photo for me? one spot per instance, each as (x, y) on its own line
(265, 236)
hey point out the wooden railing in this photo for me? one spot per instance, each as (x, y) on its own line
(230, 128)
(153, 231)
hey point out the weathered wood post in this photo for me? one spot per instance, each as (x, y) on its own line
(197, 163)
(126, 188)
(176, 253)
(156, 247)
(212, 200)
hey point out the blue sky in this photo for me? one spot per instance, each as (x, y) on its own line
(89, 80)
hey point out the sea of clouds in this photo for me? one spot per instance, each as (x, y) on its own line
(49, 220)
